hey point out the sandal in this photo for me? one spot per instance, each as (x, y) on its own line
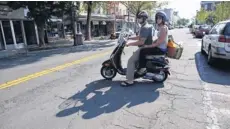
(126, 84)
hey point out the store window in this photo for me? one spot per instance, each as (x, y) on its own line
(18, 31)
(7, 32)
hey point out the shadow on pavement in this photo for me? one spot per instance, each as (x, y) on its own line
(102, 96)
(217, 74)
(32, 57)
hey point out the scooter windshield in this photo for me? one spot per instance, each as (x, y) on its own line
(125, 32)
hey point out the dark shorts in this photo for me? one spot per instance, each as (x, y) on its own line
(148, 51)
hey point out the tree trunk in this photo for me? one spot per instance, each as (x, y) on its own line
(46, 34)
(63, 26)
(88, 26)
(73, 22)
(135, 29)
(41, 33)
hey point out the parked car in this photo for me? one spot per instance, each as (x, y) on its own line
(194, 28)
(171, 27)
(216, 43)
(201, 30)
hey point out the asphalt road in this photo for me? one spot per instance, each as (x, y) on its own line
(75, 96)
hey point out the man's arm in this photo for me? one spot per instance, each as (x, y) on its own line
(134, 38)
(141, 41)
(141, 38)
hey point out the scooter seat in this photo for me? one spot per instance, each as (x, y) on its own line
(154, 56)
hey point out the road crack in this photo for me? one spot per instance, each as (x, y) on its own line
(70, 123)
(120, 126)
(138, 115)
(138, 127)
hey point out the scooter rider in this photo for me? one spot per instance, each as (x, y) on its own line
(145, 38)
(159, 46)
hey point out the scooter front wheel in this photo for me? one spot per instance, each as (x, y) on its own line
(108, 72)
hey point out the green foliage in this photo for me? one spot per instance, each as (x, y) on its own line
(136, 6)
(202, 15)
(221, 13)
(183, 21)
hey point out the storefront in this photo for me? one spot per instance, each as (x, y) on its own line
(16, 31)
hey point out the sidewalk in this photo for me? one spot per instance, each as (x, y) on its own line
(58, 45)
(62, 43)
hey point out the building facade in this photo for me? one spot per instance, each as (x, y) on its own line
(16, 30)
(121, 13)
(209, 5)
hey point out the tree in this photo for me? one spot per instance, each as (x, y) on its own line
(202, 15)
(222, 11)
(183, 21)
(136, 6)
(91, 5)
(70, 9)
(40, 11)
(88, 24)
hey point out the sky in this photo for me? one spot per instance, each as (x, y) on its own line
(185, 8)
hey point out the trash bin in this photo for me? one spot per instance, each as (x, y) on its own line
(79, 38)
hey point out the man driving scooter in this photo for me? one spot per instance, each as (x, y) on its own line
(145, 38)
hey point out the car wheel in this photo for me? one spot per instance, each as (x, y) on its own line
(196, 36)
(210, 58)
(202, 48)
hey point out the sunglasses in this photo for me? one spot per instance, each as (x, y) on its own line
(159, 17)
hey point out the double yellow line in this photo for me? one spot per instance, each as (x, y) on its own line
(44, 72)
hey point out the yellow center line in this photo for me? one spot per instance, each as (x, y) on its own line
(47, 71)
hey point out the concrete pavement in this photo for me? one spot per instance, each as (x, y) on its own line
(195, 96)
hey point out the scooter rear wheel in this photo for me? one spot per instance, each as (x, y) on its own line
(164, 76)
(108, 72)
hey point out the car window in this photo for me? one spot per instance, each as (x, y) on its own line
(214, 29)
(227, 30)
(205, 27)
(218, 29)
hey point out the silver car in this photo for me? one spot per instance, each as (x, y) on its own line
(216, 43)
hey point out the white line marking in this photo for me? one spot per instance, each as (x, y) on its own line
(198, 43)
(220, 94)
(222, 111)
(209, 109)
